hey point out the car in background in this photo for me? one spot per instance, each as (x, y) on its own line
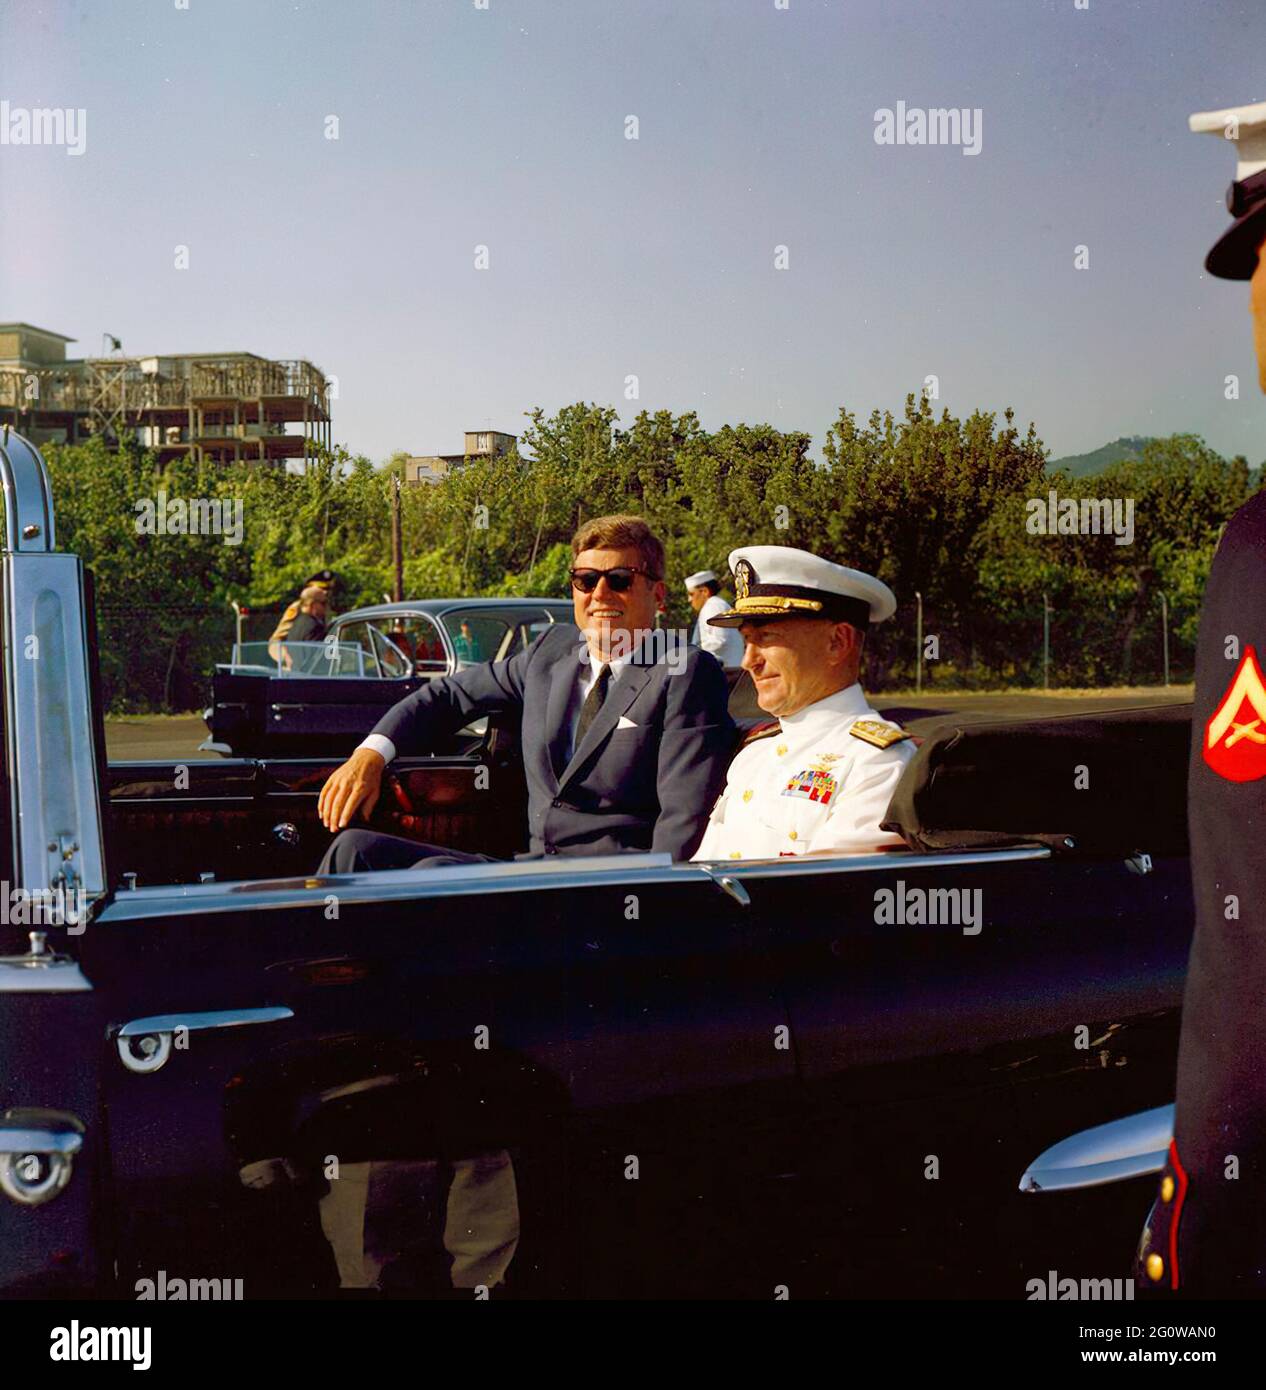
(315, 698)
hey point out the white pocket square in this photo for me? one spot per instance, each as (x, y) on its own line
(625, 723)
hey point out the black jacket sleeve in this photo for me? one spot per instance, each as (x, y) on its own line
(445, 704)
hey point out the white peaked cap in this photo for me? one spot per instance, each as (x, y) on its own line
(1245, 125)
(778, 581)
(1235, 255)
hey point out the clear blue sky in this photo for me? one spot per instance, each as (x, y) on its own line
(611, 257)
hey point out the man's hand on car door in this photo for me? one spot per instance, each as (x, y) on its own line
(351, 789)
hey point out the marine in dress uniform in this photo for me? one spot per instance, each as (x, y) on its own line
(1207, 1230)
(724, 643)
(823, 779)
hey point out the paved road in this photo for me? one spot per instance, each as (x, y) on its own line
(162, 736)
(178, 736)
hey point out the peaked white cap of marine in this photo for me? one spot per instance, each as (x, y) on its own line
(1235, 254)
(1245, 125)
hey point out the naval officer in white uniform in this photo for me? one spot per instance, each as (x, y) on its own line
(822, 781)
(704, 592)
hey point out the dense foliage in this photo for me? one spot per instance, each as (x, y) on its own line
(934, 505)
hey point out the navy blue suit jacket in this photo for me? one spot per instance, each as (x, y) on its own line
(648, 785)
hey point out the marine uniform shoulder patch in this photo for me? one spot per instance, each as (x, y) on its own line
(1234, 742)
(877, 733)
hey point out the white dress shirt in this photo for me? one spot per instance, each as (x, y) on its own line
(725, 643)
(586, 676)
(811, 787)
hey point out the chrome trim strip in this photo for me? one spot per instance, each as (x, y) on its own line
(42, 977)
(220, 764)
(1133, 1147)
(52, 755)
(200, 1022)
(39, 1141)
(898, 859)
(395, 885)
(142, 802)
(28, 496)
(462, 880)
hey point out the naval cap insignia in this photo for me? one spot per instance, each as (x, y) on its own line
(744, 577)
(1235, 736)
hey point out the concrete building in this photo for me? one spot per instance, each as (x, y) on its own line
(219, 405)
(430, 468)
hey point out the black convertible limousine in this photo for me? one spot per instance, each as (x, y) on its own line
(821, 1077)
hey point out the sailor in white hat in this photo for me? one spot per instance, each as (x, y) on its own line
(820, 781)
(704, 592)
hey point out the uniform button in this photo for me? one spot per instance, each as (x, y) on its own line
(1167, 1188)
(781, 749)
(793, 836)
(736, 854)
(1155, 1268)
(747, 795)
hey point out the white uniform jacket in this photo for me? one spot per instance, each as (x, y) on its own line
(814, 786)
(724, 643)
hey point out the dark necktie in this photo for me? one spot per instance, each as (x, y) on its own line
(593, 703)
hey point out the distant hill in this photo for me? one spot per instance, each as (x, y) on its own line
(1082, 465)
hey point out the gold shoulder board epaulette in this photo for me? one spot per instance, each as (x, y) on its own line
(872, 731)
(761, 731)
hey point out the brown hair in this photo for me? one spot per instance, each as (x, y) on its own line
(622, 532)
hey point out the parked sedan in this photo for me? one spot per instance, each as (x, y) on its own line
(323, 697)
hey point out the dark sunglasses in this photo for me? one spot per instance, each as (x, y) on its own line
(619, 579)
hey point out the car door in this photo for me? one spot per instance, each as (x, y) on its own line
(332, 712)
(52, 872)
(611, 1025)
(683, 1084)
(949, 1011)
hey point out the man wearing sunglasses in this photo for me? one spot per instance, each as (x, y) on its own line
(1206, 1235)
(625, 743)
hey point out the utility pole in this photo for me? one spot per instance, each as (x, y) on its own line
(1046, 642)
(1165, 632)
(397, 547)
(918, 660)
(536, 545)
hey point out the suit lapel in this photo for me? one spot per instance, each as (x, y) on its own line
(621, 694)
(563, 682)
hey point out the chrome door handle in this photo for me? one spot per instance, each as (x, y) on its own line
(37, 1151)
(154, 1035)
(731, 887)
